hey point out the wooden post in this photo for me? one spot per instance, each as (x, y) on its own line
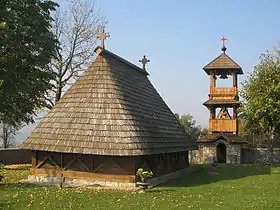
(211, 81)
(61, 160)
(236, 118)
(34, 159)
(212, 113)
(215, 80)
(234, 79)
(234, 113)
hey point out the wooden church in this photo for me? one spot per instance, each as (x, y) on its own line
(111, 122)
(223, 144)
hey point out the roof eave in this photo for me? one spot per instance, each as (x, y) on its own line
(208, 70)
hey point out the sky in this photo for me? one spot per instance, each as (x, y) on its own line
(180, 37)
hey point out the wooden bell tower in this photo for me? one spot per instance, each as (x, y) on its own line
(223, 101)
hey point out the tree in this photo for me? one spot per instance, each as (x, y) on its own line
(261, 106)
(76, 30)
(189, 124)
(26, 48)
(7, 133)
(254, 136)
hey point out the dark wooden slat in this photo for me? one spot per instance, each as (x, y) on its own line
(42, 162)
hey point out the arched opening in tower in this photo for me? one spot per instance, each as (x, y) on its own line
(221, 153)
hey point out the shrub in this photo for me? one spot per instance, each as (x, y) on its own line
(144, 175)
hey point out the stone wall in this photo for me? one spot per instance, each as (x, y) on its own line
(234, 154)
(204, 154)
(259, 155)
(15, 156)
(207, 151)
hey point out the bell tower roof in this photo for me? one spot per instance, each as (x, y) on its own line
(223, 63)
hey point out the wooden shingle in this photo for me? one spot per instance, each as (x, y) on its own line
(223, 62)
(112, 109)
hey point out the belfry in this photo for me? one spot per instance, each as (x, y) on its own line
(223, 142)
(223, 99)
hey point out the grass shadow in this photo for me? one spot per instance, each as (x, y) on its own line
(7, 186)
(205, 174)
(158, 190)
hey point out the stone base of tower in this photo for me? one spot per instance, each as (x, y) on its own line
(221, 148)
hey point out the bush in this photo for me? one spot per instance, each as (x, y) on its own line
(1, 166)
(144, 175)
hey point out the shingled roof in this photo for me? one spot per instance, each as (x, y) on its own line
(223, 62)
(230, 138)
(221, 102)
(112, 109)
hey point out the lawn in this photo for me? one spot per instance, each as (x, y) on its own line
(234, 187)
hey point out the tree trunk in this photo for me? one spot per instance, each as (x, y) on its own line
(270, 151)
(270, 147)
(5, 136)
(58, 92)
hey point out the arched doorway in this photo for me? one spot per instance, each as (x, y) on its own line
(221, 153)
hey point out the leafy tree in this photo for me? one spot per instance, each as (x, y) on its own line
(204, 132)
(7, 133)
(261, 93)
(255, 137)
(189, 124)
(76, 29)
(26, 48)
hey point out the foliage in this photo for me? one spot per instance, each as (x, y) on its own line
(8, 132)
(1, 166)
(256, 138)
(261, 106)
(76, 28)
(144, 175)
(253, 186)
(27, 46)
(190, 126)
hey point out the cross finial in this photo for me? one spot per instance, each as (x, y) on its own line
(223, 38)
(102, 35)
(144, 60)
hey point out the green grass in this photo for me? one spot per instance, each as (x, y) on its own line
(234, 187)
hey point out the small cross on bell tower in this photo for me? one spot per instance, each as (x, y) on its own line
(144, 61)
(223, 39)
(102, 35)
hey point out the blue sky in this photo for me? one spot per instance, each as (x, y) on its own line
(180, 37)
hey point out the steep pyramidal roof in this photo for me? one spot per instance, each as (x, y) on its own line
(112, 109)
(223, 62)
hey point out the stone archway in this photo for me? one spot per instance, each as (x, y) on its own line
(221, 151)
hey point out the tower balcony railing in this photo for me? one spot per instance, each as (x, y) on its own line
(223, 125)
(228, 93)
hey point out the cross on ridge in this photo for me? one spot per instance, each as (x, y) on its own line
(102, 35)
(223, 39)
(144, 60)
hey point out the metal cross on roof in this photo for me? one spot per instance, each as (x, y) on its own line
(102, 35)
(144, 61)
(223, 39)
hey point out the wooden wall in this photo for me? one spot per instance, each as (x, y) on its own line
(229, 93)
(105, 167)
(223, 125)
